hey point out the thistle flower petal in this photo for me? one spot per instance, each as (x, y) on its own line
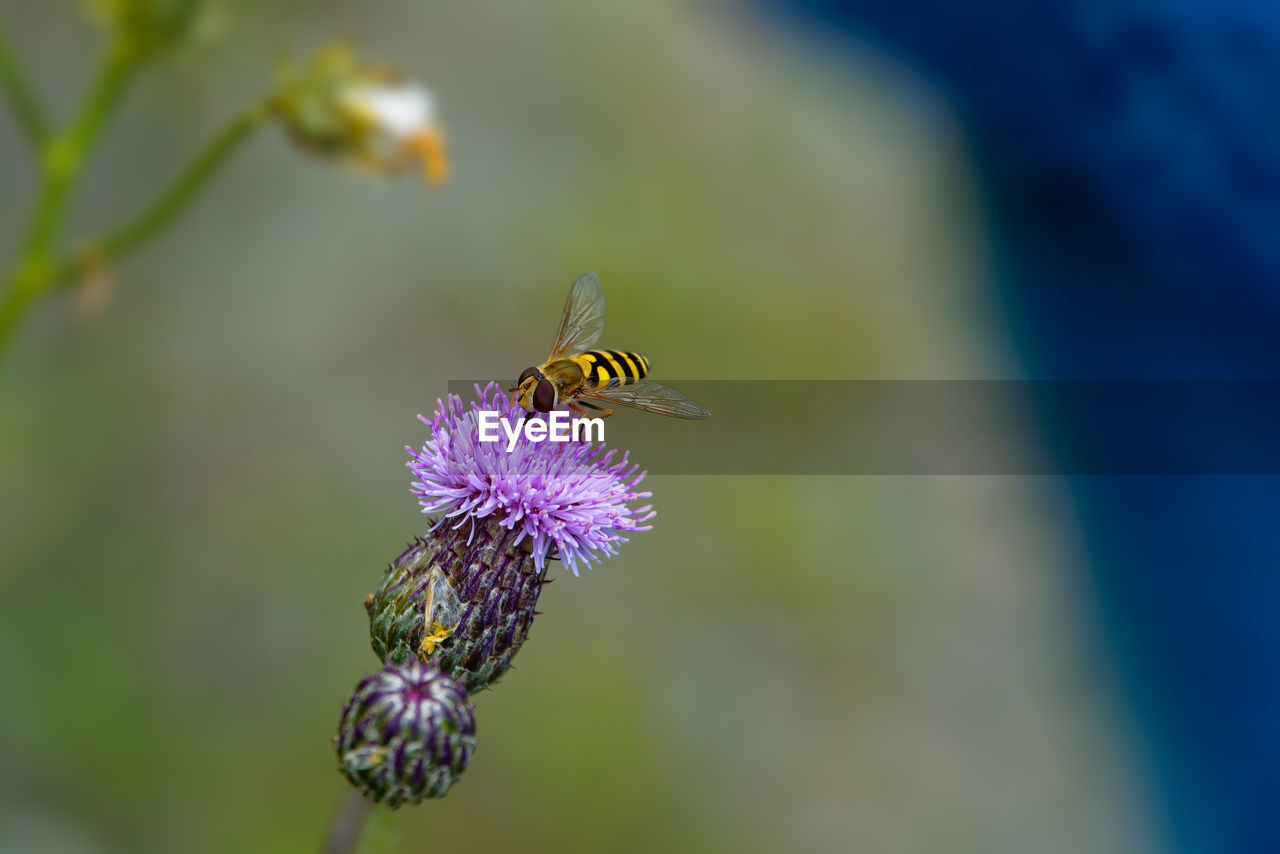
(568, 499)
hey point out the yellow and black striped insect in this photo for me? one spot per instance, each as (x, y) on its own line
(574, 374)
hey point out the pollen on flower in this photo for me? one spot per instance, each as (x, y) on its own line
(566, 500)
(439, 634)
(428, 146)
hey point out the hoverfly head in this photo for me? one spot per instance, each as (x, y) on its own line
(526, 391)
(544, 395)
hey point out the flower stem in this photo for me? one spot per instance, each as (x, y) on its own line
(170, 204)
(36, 273)
(22, 97)
(359, 829)
(348, 823)
(62, 158)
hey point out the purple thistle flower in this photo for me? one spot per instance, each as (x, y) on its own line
(570, 495)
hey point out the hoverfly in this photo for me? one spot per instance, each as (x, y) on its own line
(573, 372)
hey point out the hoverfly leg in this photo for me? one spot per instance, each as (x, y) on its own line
(603, 413)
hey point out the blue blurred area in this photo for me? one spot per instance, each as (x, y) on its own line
(1130, 166)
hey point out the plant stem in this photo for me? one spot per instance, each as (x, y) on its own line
(348, 824)
(36, 272)
(27, 107)
(361, 828)
(171, 203)
(62, 159)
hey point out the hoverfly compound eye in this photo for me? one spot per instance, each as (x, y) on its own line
(544, 396)
(528, 372)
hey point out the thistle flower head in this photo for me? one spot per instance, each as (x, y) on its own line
(406, 734)
(572, 497)
(464, 600)
(369, 116)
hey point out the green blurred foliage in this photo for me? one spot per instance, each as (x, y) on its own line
(150, 25)
(200, 483)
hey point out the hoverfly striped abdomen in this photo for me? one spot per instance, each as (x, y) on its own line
(576, 376)
(612, 368)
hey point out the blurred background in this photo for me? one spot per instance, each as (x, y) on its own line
(200, 483)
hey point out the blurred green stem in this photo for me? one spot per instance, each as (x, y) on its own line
(360, 829)
(62, 158)
(26, 106)
(170, 204)
(37, 272)
(347, 824)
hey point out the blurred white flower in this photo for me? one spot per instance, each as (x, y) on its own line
(401, 128)
(368, 116)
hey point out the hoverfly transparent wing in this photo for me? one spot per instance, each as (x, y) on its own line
(583, 318)
(651, 397)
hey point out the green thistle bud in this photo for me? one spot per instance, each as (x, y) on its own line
(406, 734)
(461, 598)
